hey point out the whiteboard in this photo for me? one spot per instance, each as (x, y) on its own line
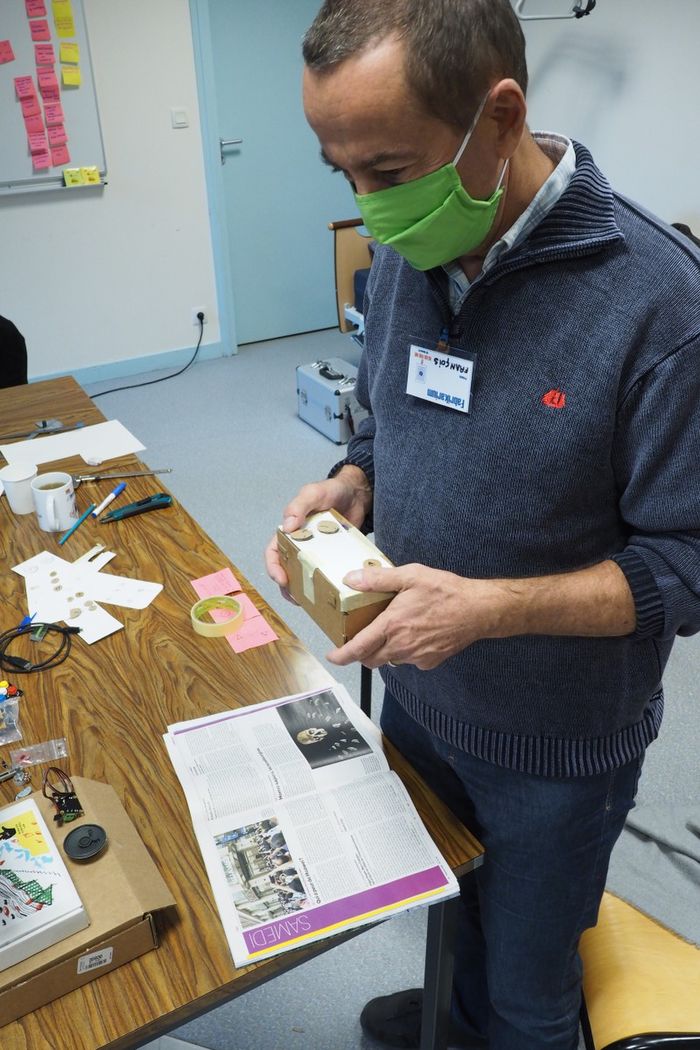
(82, 119)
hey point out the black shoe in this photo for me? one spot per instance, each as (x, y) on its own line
(395, 1020)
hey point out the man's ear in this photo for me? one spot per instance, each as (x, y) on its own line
(507, 109)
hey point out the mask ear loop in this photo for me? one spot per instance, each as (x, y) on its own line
(470, 132)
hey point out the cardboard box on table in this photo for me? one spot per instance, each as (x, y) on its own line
(122, 891)
(315, 575)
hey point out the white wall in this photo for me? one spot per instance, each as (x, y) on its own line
(624, 82)
(97, 279)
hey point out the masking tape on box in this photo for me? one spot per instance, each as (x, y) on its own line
(218, 602)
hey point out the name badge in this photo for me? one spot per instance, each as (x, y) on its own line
(443, 379)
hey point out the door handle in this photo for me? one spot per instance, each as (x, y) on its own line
(224, 143)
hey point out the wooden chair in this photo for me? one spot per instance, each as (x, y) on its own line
(641, 983)
(351, 251)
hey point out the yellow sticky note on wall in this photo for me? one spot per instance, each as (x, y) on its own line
(91, 176)
(71, 76)
(65, 27)
(70, 53)
(61, 9)
(73, 177)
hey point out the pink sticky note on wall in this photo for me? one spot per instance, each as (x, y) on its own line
(44, 54)
(57, 136)
(60, 156)
(38, 143)
(6, 52)
(41, 161)
(34, 125)
(24, 88)
(53, 111)
(40, 30)
(222, 582)
(35, 8)
(31, 107)
(48, 83)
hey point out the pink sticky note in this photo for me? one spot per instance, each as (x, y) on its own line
(41, 161)
(40, 30)
(24, 88)
(34, 125)
(60, 156)
(35, 8)
(221, 582)
(246, 603)
(253, 633)
(53, 111)
(57, 136)
(31, 107)
(38, 143)
(44, 54)
(48, 83)
(6, 52)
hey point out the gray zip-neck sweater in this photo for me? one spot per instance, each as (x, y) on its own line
(598, 313)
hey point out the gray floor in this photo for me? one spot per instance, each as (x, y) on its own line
(229, 428)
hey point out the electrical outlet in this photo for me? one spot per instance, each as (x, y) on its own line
(198, 310)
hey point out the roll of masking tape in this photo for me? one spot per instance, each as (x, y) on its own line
(223, 603)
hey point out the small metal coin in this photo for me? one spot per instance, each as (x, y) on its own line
(80, 594)
(59, 588)
(328, 527)
(53, 573)
(302, 534)
(24, 792)
(74, 614)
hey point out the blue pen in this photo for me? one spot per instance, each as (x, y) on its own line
(108, 499)
(78, 523)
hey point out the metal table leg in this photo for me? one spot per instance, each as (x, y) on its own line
(366, 690)
(437, 984)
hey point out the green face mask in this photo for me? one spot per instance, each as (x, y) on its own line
(431, 220)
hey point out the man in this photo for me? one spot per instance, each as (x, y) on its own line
(530, 464)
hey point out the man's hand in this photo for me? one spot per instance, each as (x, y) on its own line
(348, 492)
(434, 615)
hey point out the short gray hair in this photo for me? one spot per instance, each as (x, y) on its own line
(454, 48)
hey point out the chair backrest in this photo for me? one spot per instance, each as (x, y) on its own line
(351, 253)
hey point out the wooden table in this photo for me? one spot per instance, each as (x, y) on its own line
(113, 700)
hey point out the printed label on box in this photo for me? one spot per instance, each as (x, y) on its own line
(95, 959)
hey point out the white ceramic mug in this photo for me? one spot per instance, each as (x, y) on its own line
(54, 501)
(17, 481)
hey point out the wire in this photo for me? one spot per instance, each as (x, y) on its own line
(150, 382)
(19, 666)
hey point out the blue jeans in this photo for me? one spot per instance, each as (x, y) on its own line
(517, 978)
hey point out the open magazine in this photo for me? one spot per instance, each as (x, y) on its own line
(304, 829)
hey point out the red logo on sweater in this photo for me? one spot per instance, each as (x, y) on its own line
(554, 399)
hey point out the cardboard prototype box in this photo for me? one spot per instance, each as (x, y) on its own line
(316, 558)
(122, 891)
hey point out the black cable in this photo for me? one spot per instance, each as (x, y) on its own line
(16, 665)
(150, 382)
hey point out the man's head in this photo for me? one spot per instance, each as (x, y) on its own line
(391, 88)
(453, 49)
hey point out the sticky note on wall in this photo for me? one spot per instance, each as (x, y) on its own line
(40, 29)
(44, 54)
(91, 176)
(70, 76)
(73, 177)
(63, 18)
(70, 53)
(35, 8)
(53, 111)
(6, 52)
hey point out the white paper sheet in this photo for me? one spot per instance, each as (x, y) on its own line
(95, 444)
